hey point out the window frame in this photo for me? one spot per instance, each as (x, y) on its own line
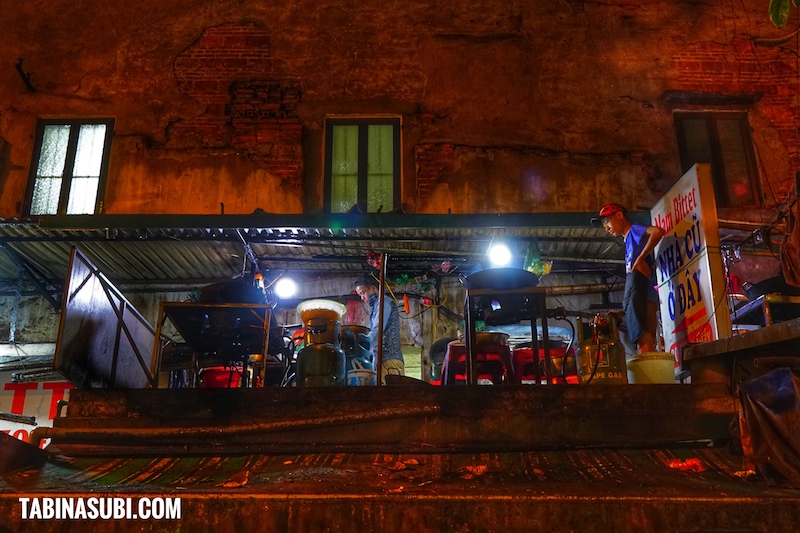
(363, 123)
(69, 163)
(719, 176)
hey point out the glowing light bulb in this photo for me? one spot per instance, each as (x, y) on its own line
(285, 288)
(499, 255)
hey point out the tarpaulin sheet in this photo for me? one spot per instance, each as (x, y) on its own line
(771, 406)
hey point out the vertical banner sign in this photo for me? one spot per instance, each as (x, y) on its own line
(691, 279)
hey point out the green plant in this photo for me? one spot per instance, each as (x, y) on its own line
(779, 11)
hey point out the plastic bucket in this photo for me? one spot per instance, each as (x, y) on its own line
(651, 367)
(358, 375)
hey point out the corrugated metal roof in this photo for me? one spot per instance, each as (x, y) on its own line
(141, 250)
(182, 254)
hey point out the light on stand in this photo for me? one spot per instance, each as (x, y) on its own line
(285, 288)
(499, 255)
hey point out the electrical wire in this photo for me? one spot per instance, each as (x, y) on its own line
(566, 352)
(763, 172)
(424, 310)
(391, 292)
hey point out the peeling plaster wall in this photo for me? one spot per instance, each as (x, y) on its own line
(532, 106)
(36, 321)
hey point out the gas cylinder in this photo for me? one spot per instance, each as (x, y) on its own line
(355, 341)
(601, 358)
(358, 365)
(321, 365)
(322, 331)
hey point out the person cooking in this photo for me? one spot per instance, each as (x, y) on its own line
(392, 356)
(640, 299)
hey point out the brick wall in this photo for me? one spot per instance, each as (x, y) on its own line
(264, 121)
(743, 67)
(431, 160)
(265, 112)
(228, 70)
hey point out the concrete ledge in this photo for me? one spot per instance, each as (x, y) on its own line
(398, 419)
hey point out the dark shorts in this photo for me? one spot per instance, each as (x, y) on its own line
(638, 292)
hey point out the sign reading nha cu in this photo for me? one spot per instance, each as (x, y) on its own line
(691, 280)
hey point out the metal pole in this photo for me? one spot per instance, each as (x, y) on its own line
(537, 369)
(157, 346)
(381, 299)
(469, 340)
(265, 347)
(548, 371)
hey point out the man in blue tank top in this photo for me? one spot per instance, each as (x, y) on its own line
(640, 299)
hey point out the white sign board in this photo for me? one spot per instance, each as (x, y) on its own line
(691, 279)
(38, 400)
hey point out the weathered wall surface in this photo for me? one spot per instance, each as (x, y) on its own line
(33, 320)
(29, 319)
(507, 106)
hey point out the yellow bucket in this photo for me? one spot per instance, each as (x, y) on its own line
(651, 367)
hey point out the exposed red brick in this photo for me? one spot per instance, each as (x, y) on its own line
(767, 70)
(258, 114)
(431, 161)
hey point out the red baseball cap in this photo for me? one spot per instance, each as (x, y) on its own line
(607, 211)
(610, 209)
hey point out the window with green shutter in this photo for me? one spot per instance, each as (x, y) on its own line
(362, 165)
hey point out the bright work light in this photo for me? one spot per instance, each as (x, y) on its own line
(285, 288)
(499, 255)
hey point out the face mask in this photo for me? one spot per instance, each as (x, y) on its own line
(373, 299)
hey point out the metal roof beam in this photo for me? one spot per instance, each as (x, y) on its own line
(299, 222)
(35, 276)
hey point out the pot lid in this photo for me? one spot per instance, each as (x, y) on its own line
(321, 308)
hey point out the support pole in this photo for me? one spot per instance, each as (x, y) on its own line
(469, 339)
(381, 299)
